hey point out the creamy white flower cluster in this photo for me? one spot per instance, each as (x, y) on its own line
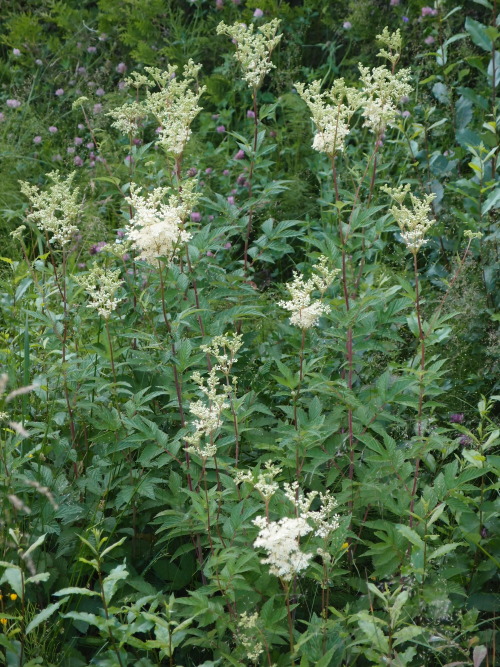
(383, 90)
(324, 520)
(264, 483)
(174, 106)
(208, 413)
(331, 113)
(305, 311)
(156, 230)
(56, 210)
(253, 49)
(101, 286)
(247, 635)
(281, 539)
(414, 223)
(128, 117)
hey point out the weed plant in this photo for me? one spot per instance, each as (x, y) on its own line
(249, 305)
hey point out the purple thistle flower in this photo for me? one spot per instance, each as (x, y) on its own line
(240, 155)
(53, 129)
(100, 92)
(121, 68)
(13, 104)
(37, 139)
(231, 200)
(220, 129)
(250, 113)
(78, 162)
(196, 216)
(258, 14)
(457, 418)
(92, 49)
(59, 92)
(16, 52)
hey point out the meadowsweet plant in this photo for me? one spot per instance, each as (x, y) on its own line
(305, 310)
(414, 223)
(331, 113)
(156, 230)
(175, 105)
(208, 413)
(242, 435)
(253, 48)
(55, 210)
(101, 286)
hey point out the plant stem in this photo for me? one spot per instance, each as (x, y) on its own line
(286, 588)
(421, 384)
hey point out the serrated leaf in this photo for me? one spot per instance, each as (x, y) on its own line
(410, 535)
(75, 590)
(443, 550)
(45, 614)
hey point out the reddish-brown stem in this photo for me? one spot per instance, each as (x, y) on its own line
(250, 180)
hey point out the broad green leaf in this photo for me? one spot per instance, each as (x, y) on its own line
(410, 535)
(478, 33)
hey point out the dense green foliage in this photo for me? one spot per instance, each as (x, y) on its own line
(144, 467)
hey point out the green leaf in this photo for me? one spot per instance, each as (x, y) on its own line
(12, 575)
(75, 590)
(478, 33)
(410, 535)
(111, 581)
(406, 634)
(492, 201)
(35, 544)
(45, 614)
(443, 550)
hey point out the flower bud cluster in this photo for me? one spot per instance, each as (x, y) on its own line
(414, 223)
(253, 49)
(56, 210)
(101, 286)
(224, 349)
(248, 633)
(305, 311)
(264, 483)
(208, 415)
